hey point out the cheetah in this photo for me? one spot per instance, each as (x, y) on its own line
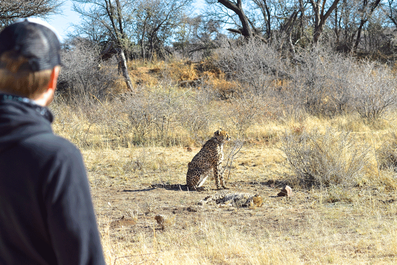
(209, 157)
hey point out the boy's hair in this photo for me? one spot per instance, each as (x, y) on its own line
(29, 50)
(24, 83)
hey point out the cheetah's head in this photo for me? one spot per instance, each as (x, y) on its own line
(222, 135)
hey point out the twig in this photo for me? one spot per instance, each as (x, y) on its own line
(236, 148)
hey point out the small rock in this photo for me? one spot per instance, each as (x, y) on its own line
(191, 209)
(257, 201)
(161, 220)
(286, 192)
(164, 220)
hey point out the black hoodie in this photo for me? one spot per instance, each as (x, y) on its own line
(46, 212)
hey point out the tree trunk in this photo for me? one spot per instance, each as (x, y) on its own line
(124, 69)
(336, 27)
(360, 28)
(364, 19)
(268, 22)
(319, 16)
(246, 30)
(119, 39)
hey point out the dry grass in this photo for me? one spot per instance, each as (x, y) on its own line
(351, 224)
(326, 226)
(334, 226)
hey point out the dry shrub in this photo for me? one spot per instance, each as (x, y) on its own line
(153, 115)
(188, 73)
(224, 89)
(340, 194)
(144, 76)
(162, 116)
(254, 65)
(328, 84)
(208, 66)
(180, 71)
(386, 180)
(386, 154)
(373, 91)
(196, 125)
(83, 74)
(322, 160)
(244, 111)
(320, 82)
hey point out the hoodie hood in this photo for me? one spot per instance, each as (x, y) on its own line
(21, 118)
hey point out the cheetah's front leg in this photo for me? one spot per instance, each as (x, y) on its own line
(219, 177)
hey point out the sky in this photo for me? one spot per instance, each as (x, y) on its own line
(63, 22)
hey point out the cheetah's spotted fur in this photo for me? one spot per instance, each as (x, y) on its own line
(209, 157)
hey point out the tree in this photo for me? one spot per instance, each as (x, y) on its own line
(266, 19)
(350, 19)
(236, 7)
(91, 29)
(198, 34)
(81, 77)
(111, 14)
(264, 7)
(368, 7)
(13, 9)
(156, 21)
(321, 15)
(392, 11)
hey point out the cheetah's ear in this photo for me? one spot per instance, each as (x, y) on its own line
(217, 133)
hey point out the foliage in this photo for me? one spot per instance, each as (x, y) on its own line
(13, 9)
(155, 23)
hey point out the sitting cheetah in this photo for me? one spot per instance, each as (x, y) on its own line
(209, 157)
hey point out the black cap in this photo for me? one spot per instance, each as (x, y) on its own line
(33, 39)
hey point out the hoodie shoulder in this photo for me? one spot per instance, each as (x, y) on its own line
(49, 143)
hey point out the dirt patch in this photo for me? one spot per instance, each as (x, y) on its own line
(137, 208)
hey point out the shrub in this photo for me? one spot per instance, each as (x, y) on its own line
(386, 154)
(83, 74)
(373, 91)
(255, 65)
(244, 111)
(320, 82)
(151, 115)
(334, 158)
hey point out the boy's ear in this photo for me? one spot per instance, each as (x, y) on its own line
(47, 96)
(54, 78)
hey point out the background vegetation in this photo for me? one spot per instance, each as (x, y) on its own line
(308, 86)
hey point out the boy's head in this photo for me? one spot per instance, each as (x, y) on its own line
(29, 51)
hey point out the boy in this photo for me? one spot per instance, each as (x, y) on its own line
(46, 212)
